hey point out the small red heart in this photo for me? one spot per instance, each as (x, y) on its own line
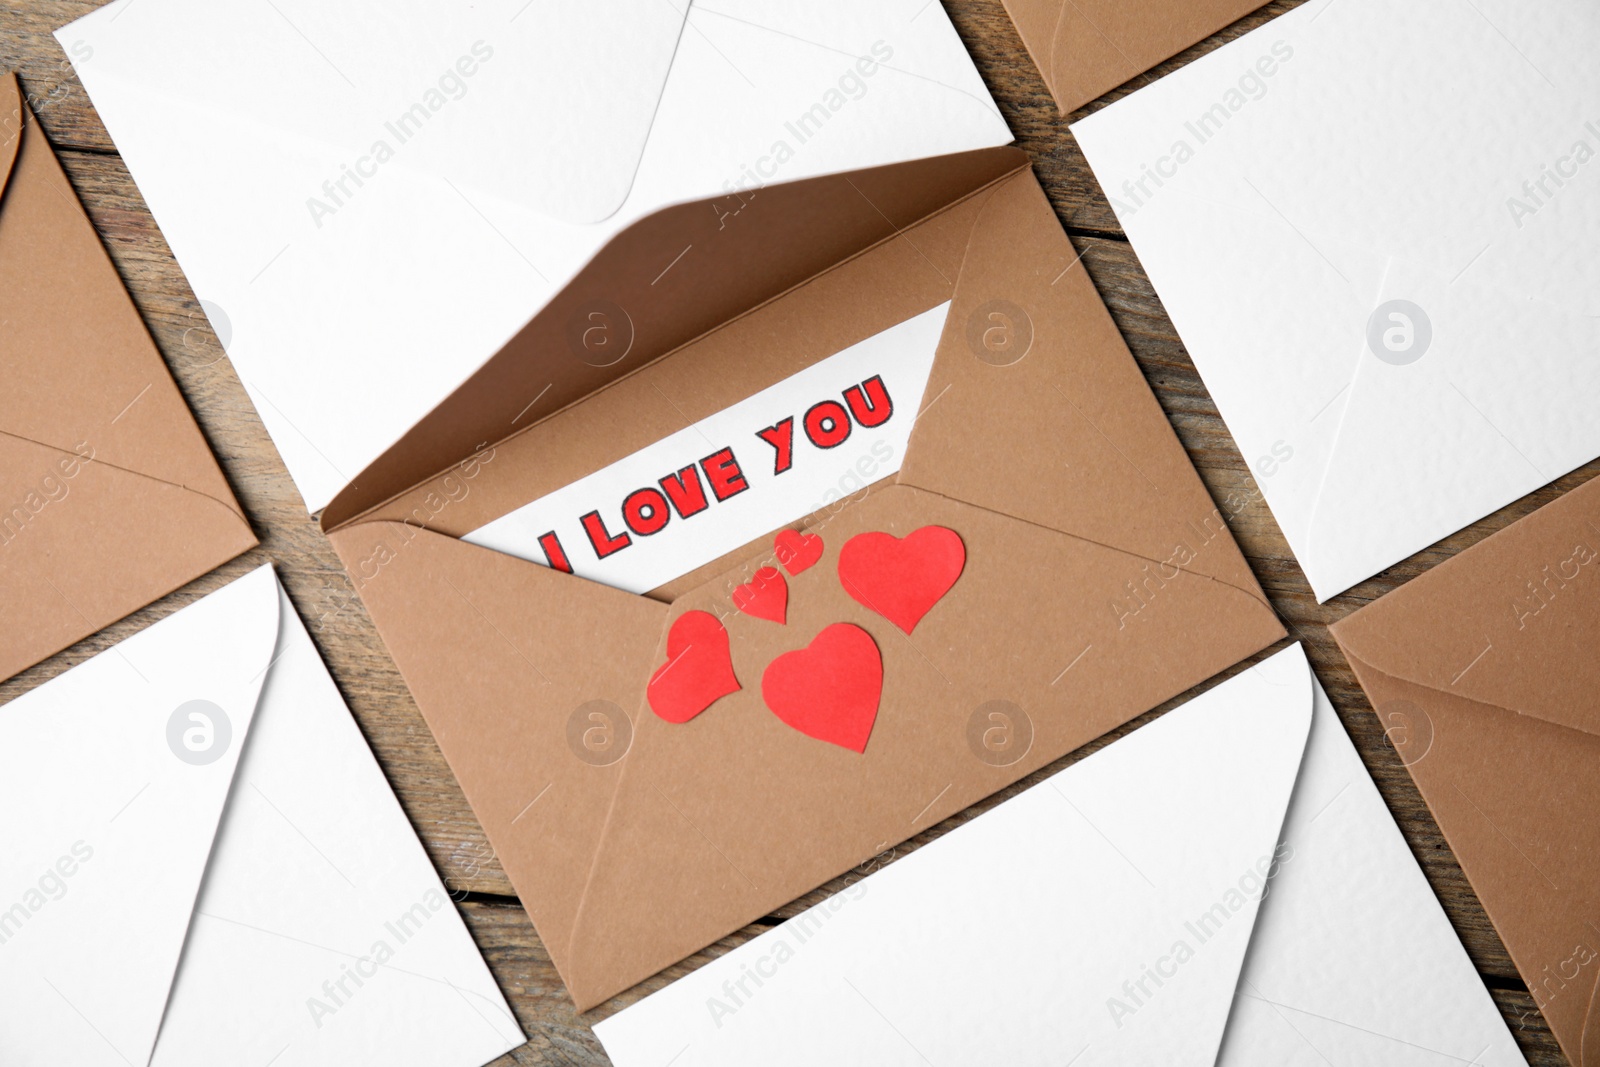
(766, 596)
(797, 551)
(698, 671)
(830, 689)
(902, 578)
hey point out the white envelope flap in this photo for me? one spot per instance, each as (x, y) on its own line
(1099, 918)
(544, 105)
(770, 91)
(115, 775)
(1463, 399)
(1348, 911)
(322, 934)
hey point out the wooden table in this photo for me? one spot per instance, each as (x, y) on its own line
(373, 687)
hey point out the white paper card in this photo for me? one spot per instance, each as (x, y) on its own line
(819, 435)
(1388, 285)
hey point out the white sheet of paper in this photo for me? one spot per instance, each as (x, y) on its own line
(321, 934)
(1048, 930)
(350, 310)
(1389, 289)
(592, 517)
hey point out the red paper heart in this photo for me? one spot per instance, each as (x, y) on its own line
(766, 596)
(698, 671)
(902, 578)
(797, 551)
(830, 689)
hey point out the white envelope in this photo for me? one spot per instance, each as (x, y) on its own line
(147, 915)
(371, 197)
(1225, 877)
(1374, 224)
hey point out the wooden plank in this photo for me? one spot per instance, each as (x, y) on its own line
(375, 691)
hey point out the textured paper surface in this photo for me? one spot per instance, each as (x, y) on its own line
(320, 933)
(1388, 289)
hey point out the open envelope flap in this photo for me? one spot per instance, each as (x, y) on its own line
(1084, 48)
(114, 860)
(627, 308)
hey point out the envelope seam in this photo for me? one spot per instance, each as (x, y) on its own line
(1100, 544)
(133, 473)
(1356, 657)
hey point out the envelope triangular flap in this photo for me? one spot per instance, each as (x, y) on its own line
(1072, 438)
(1487, 624)
(658, 285)
(157, 726)
(112, 496)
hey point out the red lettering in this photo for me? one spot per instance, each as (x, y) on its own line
(688, 496)
(604, 544)
(828, 424)
(645, 511)
(872, 407)
(781, 438)
(555, 553)
(723, 472)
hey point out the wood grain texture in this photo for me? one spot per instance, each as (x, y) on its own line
(373, 687)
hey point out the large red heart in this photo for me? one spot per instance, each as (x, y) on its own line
(698, 671)
(766, 596)
(830, 689)
(797, 551)
(902, 578)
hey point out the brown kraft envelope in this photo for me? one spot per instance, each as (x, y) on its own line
(1086, 48)
(109, 497)
(1100, 580)
(1486, 671)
